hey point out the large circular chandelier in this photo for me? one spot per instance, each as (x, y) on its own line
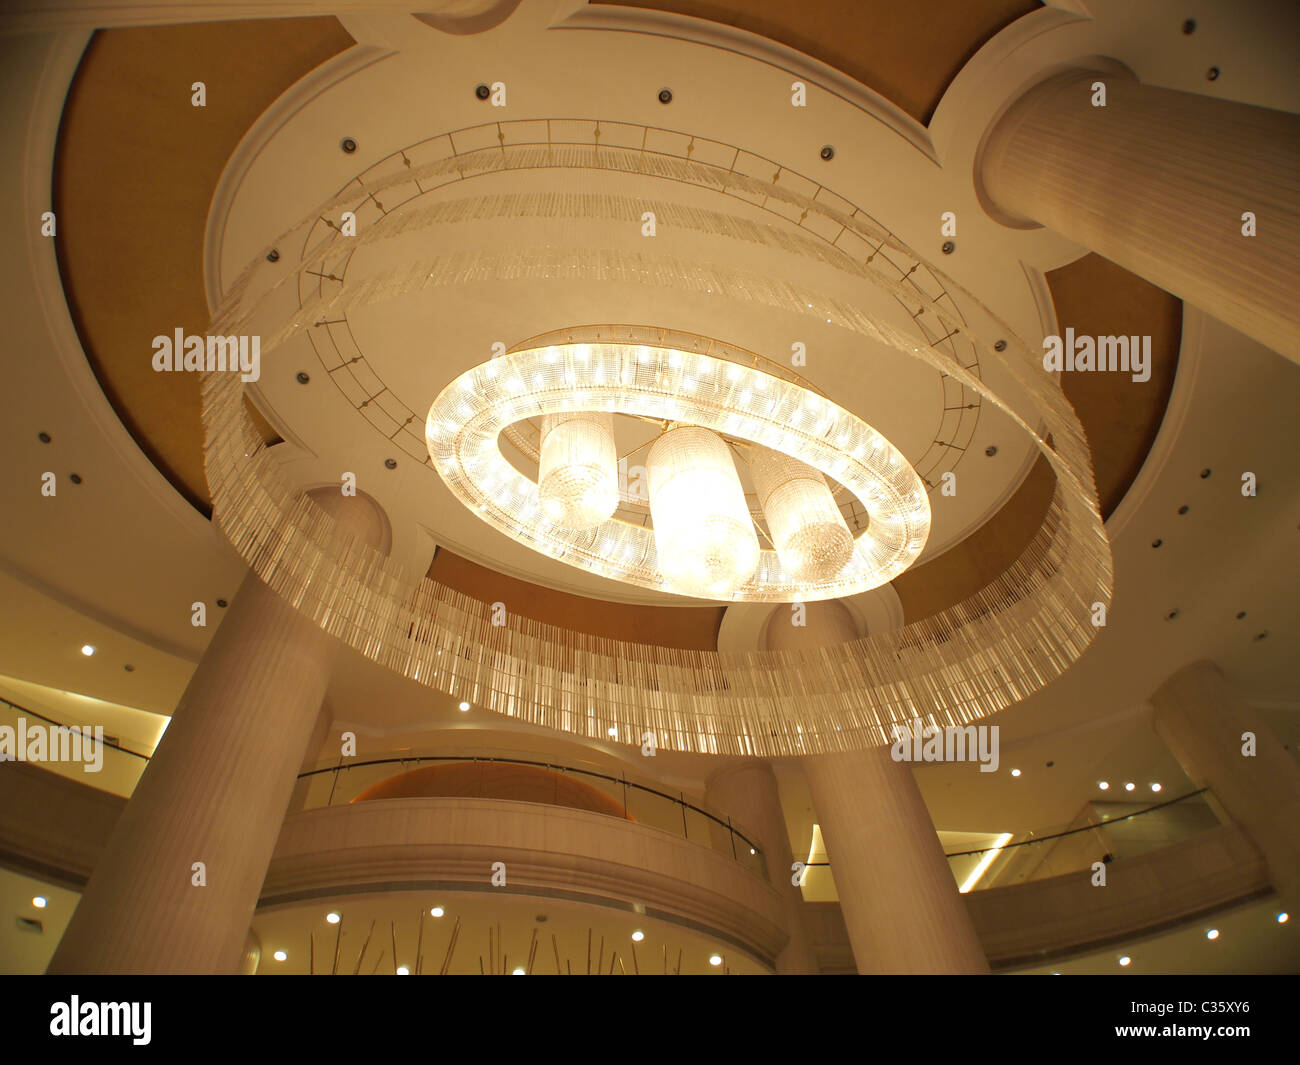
(969, 660)
(704, 540)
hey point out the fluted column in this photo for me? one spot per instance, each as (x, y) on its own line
(748, 792)
(898, 896)
(1202, 720)
(215, 792)
(1157, 181)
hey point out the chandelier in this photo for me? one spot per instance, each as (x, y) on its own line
(970, 660)
(713, 405)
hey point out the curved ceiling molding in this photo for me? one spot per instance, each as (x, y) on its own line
(907, 53)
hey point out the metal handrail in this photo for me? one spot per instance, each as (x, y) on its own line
(620, 780)
(84, 735)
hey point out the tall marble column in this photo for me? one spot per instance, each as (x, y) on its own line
(897, 893)
(215, 792)
(1158, 181)
(748, 792)
(1203, 721)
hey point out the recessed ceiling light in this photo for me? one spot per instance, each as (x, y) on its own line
(87, 649)
(519, 971)
(1124, 959)
(333, 918)
(1283, 917)
(637, 936)
(40, 902)
(613, 732)
(280, 955)
(464, 706)
(1015, 772)
(752, 851)
(402, 970)
(1213, 933)
(437, 911)
(1103, 784)
(1129, 786)
(715, 959)
(1155, 787)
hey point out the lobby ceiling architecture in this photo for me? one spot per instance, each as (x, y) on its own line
(661, 395)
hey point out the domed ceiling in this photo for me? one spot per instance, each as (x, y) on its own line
(373, 376)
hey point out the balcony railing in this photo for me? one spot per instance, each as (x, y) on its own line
(1103, 832)
(119, 767)
(341, 783)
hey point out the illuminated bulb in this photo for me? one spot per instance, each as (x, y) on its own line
(1283, 917)
(637, 936)
(1213, 933)
(715, 959)
(280, 955)
(332, 918)
(402, 970)
(1103, 784)
(1155, 787)
(1129, 786)
(519, 971)
(464, 706)
(1015, 772)
(705, 539)
(87, 650)
(437, 911)
(809, 533)
(40, 902)
(577, 481)
(613, 732)
(1125, 959)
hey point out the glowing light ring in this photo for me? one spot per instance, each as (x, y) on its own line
(466, 420)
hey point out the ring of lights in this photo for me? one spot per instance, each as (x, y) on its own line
(971, 660)
(466, 420)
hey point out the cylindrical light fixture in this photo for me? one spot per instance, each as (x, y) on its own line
(704, 537)
(808, 531)
(577, 482)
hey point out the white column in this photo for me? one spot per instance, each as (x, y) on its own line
(215, 792)
(898, 896)
(1157, 181)
(748, 792)
(1204, 722)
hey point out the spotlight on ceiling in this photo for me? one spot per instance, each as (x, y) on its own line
(1155, 786)
(464, 706)
(333, 918)
(402, 970)
(1213, 933)
(715, 959)
(519, 971)
(40, 902)
(1015, 772)
(637, 936)
(437, 911)
(1129, 786)
(1103, 784)
(87, 649)
(280, 955)
(1125, 959)
(1283, 917)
